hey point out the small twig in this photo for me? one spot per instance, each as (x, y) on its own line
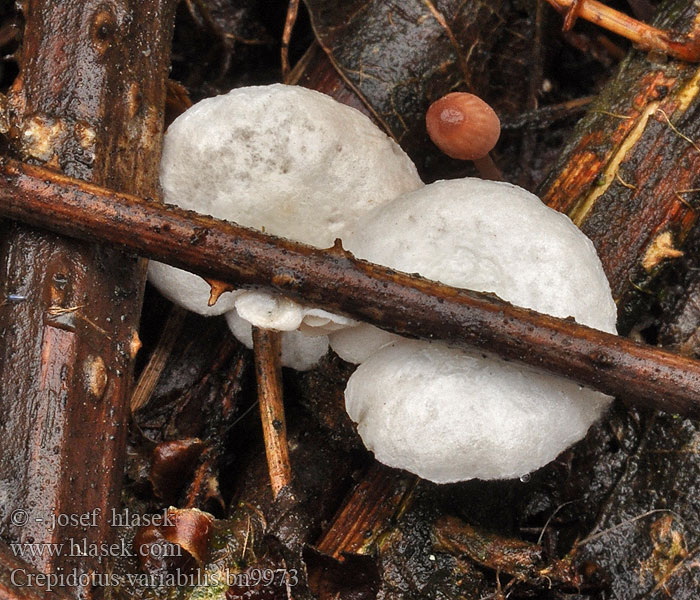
(56, 311)
(683, 200)
(612, 114)
(266, 347)
(292, 12)
(335, 281)
(551, 517)
(151, 373)
(645, 36)
(572, 14)
(629, 186)
(617, 526)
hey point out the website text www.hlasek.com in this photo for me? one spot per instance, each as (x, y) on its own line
(30, 551)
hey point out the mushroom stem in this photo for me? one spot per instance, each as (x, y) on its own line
(684, 47)
(488, 169)
(335, 281)
(266, 347)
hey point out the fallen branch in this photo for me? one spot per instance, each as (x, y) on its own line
(88, 100)
(334, 280)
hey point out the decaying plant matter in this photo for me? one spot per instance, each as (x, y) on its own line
(685, 46)
(614, 517)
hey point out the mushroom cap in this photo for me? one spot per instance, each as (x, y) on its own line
(272, 311)
(487, 236)
(285, 160)
(450, 415)
(356, 344)
(463, 126)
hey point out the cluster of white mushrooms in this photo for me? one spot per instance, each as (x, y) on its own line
(294, 163)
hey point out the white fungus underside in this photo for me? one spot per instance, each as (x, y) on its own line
(297, 350)
(187, 290)
(448, 415)
(285, 160)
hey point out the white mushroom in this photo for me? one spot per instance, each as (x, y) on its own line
(288, 161)
(297, 350)
(450, 415)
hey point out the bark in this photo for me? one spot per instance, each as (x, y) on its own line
(374, 501)
(629, 176)
(19, 581)
(334, 280)
(89, 102)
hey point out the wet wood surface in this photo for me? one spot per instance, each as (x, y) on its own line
(19, 581)
(88, 102)
(629, 175)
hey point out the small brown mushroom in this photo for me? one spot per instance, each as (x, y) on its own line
(463, 126)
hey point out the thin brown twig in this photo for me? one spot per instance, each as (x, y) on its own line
(334, 280)
(266, 347)
(292, 12)
(572, 14)
(684, 47)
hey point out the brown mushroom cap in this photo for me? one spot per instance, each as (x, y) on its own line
(463, 126)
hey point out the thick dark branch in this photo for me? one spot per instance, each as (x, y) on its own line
(89, 101)
(336, 281)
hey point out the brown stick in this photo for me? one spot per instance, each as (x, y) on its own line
(266, 346)
(334, 280)
(645, 36)
(89, 101)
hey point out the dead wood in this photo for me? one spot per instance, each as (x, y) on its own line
(88, 101)
(20, 581)
(629, 175)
